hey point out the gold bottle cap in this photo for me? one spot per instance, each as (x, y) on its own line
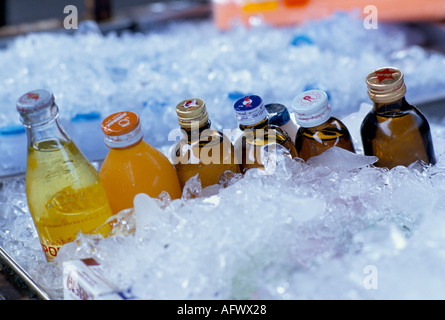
(192, 112)
(386, 85)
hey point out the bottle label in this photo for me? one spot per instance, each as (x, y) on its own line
(386, 73)
(188, 104)
(50, 249)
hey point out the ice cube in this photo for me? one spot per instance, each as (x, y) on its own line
(337, 159)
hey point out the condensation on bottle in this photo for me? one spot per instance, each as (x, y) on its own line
(202, 150)
(394, 131)
(319, 130)
(64, 192)
(259, 138)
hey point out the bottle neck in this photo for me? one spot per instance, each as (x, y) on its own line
(397, 105)
(260, 125)
(320, 126)
(195, 130)
(47, 131)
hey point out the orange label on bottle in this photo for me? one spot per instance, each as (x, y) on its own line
(120, 123)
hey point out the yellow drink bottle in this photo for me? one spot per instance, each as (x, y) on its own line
(64, 193)
(133, 166)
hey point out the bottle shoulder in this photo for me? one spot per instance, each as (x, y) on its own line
(262, 136)
(332, 124)
(201, 137)
(142, 151)
(387, 113)
(205, 139)
(397, 108)
(62, 159)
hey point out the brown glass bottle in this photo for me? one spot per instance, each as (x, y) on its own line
(258, 136)
(201, 150)
(318, 131)
(394, 131)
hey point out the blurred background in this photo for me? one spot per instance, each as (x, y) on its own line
(17, 11)
(19, 16)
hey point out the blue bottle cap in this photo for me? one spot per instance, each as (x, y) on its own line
(250, 110)
(278, 114)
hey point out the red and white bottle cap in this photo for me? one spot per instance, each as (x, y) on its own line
(122, 130)
(311, 108)
(35, 101)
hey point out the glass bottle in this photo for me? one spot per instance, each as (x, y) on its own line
(131, 165)
(394, 131)
(319, 130)
(64, 192)
(258, 136)
(279, 116)
(201, 149)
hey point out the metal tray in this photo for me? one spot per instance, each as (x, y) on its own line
(8, 259)
(24, 276)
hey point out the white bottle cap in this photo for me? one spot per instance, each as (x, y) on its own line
(34, 101)
(311, 108)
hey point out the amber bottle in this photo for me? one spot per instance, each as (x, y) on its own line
(201, 150)
(259, 138)
(318, 130)
(394, 131)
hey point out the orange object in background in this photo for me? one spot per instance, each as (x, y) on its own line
(288, 12)
(133, 166)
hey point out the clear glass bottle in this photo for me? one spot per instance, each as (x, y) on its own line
(394, 131)
(318, 130)
(258, 136)
(280, 116)
(64, 192)
(201, 150)
(131, 165)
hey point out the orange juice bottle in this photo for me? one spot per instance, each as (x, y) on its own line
(131, 165)
(64, 193)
